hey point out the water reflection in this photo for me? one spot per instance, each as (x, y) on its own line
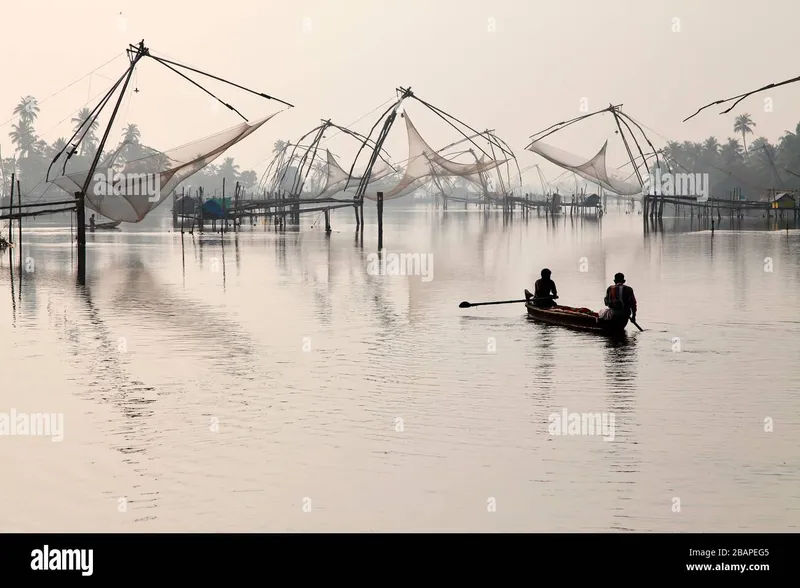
(621, 370)
(621, 363)
(545, 354)
(395, 346)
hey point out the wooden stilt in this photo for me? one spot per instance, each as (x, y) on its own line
(19, 227)
(10, 212)
(380, 221)
(81, 219)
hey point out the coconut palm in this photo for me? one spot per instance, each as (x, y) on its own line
(131, 134)
(731, 152)
(27, 109)
(90, 139)
(319, 170)
(711, 148)
(229, 170)
(744, 125)
(280, 146)
(763, 163)
(56, 146)
(23, 136)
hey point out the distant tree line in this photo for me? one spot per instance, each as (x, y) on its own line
(753, 168)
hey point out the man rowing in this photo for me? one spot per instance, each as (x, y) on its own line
(544, 290)
(620, 300)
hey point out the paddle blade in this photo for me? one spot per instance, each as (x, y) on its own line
(464, 304)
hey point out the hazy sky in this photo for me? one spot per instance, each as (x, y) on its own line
(513, 66)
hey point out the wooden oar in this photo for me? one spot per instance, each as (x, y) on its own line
(637, 325)
(466, 304)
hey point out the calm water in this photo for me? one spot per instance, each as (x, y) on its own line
(266, 382)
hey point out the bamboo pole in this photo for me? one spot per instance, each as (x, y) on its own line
(19, 227)
(380, 221)
(235, 205)
(11, 211)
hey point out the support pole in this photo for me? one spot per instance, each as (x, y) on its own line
(380, 221)
(11, 212)
(19, 227)
(327, 221)
(81, 214)
(361, 228)
(81, 195)
(235, 205)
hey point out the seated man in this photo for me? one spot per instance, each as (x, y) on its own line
(544, 291)
(620, 300)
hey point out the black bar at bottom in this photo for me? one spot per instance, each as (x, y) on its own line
(205, 557)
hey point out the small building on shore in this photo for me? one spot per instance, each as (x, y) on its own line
(784, 200)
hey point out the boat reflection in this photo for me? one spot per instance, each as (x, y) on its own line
(621, 361)
(620, 364)
(545, 356)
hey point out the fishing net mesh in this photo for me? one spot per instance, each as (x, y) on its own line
(127, 191)
(423, 165)
(594, 170)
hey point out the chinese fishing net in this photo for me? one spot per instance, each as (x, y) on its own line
(128, 191)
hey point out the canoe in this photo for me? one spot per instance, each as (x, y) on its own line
(105, 226)
(581, 319)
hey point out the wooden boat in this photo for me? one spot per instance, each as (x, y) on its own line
(105, 226)
(581, 319)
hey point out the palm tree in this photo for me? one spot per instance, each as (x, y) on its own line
(711, 147)
(763, 163)
(27, 109)
(743, 124)
(280, 146)
(131, 134)
(731, 152)
(79, 119)
(56, 146)
(230, 171)
(23, 136)
(319, 171)
(789, 152)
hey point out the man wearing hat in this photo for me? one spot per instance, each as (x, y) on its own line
(620, 299)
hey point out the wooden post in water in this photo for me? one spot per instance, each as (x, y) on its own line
(224, 220)
(175, 206)
(19, 226)
(235, 205)
(361, 228)
(201, 220)
(81, 214)
(380, 221)
(327, 220)
(10, 211)
(358, 221)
